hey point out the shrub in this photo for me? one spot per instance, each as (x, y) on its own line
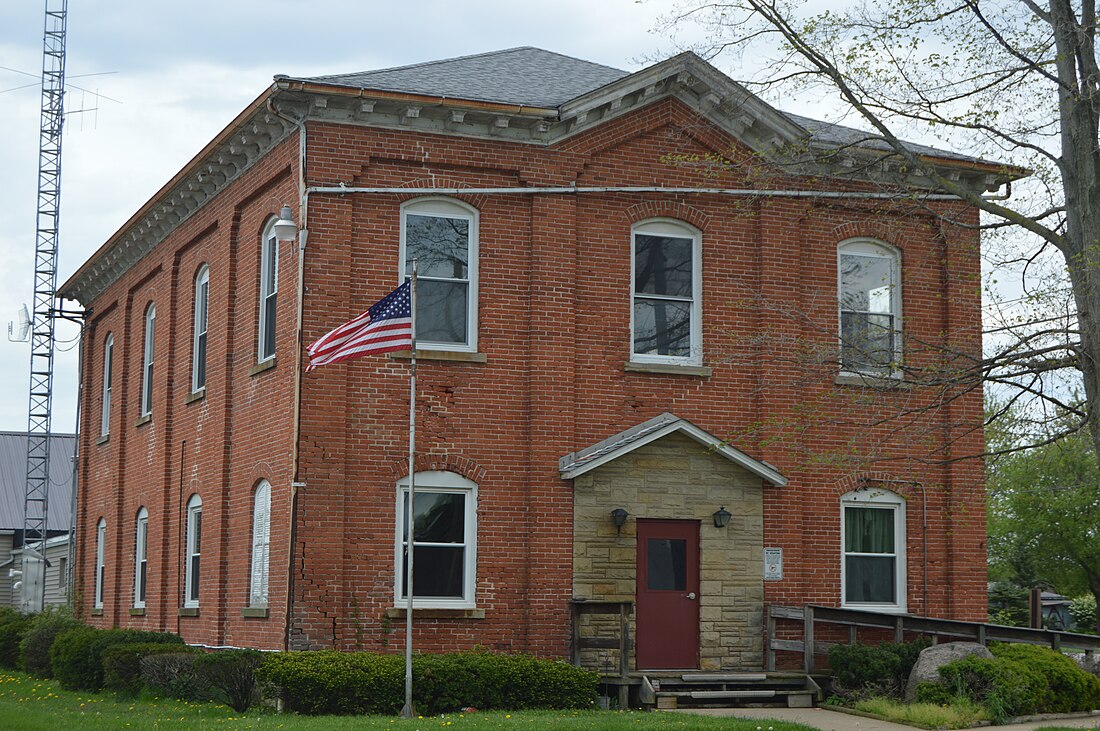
(1070, 687)
(354, 683)
(1083, 612)
(230, 673)
(884, 668)
(76, 655)
(13, 626)
(44, 628)
(1006, 687)
(122, 664)
(173, 674)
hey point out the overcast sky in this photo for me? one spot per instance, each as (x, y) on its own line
(157, 81)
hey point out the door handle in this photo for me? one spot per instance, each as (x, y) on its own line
(691, 595)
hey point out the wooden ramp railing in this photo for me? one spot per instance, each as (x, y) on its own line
(811, 615)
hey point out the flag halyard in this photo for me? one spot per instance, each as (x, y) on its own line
(385, 327)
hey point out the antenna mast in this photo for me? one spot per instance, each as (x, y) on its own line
(36, 500)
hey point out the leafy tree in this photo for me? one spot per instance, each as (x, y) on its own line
(1044, 509)
(1015, 81)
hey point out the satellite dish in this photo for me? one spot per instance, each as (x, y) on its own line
(23, 334)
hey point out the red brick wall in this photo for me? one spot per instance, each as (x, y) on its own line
(554, 314)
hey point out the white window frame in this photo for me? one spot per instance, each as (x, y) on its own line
(141, 555)
(148, 354)
(261, 546)
(108, 368)
(877, 498)
(199, 340)
(100, 562)
(193, 555)
(871, 247)
(448, 208)
(678, 229)
(269, 291)
(439, 482)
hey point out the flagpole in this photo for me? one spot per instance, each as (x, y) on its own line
(408, 711)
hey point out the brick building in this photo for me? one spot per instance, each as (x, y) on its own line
(650, 302)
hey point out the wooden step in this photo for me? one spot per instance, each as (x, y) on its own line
(724, 677)
(715, 694)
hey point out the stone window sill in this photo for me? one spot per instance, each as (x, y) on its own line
(195, 396)
(261, 367)
(671, 369)
(254, 613)
(400, 612)
(871, 381)
(137, 611)
(103, 439)
(98, 611)
(143, 420)
(188, 612)
(454, 356)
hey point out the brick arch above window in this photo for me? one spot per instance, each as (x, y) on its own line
(458, 464)
(668, 209)
(870, 480)
(883, 232)
(422, 187)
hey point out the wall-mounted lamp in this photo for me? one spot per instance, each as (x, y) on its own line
(618, 516)
(285, 228)
(722, 517)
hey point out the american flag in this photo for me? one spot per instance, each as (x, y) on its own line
(386, 326)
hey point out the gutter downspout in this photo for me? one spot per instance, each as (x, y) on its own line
(296, 484)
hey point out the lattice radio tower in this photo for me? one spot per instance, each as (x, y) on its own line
(36, 500)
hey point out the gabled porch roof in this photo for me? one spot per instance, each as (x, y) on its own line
(577, 463)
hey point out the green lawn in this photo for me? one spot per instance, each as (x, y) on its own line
(29, 704)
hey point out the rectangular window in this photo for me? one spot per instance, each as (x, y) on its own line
(441, 237)
(192, 575)
(147, 366)
(100, 554)
(444, 561)
(108, 363)
(869, 309)
(269, 290)
(140, 563)
(198, 350)
(63, 575)
(261, 545)
(871, 559)
(665, 288)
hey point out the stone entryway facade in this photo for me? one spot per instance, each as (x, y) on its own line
(677, 477)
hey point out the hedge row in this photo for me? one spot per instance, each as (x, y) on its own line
(76, 655)
(1019, 680)
(328, 682)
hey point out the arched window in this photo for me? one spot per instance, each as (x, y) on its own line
(108, 368)
(269, 290)
(192, 575)
(666, 315)
(100, 561)
(261, 545)
(872, 535)
(445, 540)
(441, 235)
(869, 283)
(141, 543)
(147, 361)
(198, 345)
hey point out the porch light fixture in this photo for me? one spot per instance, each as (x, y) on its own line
(722, 517)
(285, 228)
(618, 516)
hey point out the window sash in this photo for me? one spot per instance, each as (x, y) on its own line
(446, 307)
(147, 368)
(261, 547)
(202, 298)
(108, 367)
(269, 290)
(871, 554)
(100, 551)
(444, 566)
(140, 562)
(192, 578)
(869, 303)
(666, 321)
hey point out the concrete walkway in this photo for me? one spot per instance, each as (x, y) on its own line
(827, 720)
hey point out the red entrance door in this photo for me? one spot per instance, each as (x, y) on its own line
(668, 594)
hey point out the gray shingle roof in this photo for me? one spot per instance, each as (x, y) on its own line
(13, 479)
(523, 76)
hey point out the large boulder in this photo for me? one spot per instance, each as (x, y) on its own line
(927, 667)
(1090, 662)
